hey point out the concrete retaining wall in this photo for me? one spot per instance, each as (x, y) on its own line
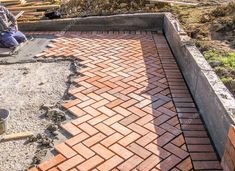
(215, 102)
(131, 22)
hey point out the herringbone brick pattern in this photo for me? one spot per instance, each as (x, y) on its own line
(133, 108)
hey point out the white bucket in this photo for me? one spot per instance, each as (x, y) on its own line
(4, 114)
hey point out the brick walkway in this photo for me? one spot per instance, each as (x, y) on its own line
(133, 107)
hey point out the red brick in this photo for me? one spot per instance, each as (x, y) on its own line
(102, 151)
(81, 120)
(231, 135)
(100, 103)
(51, 162)
(129, 103)
(71, 103)
(202, 165)
(97, 119)
(164, 139)
(130, 164)
(65, 150)
(154, 128)
(76, 111)
(121, 129)
(90, 164)
(138, 150)
(108, 96)
(171, 129)
(106, 111)
(83, 150)
(71, 128)
(105, 129)
(176, 150)
(203, 156)
(200, 148)
(69, 164)
(91, 111)
(157, 150)
(114, 103)
(33, 169)
(77, 139)
(111, 139)
(143, 141)
(111, 163)
(94, 139)
(185, 165)
(113, 119)
(129, 139)
(137, 111)
(129, 119)
(88, 129)
(149, 163)
(138, 129)
(122, 111)
(169, 163)
(197, 141)
(121, 151)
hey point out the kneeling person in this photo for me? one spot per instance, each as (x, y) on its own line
(10, 37)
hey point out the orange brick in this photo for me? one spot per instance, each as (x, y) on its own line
(129, 119)
(137, 111)
(97, 119)
(71, 128)
(176, 150)
(105, 129)
(231, 135)
(139, 129)
(157, 150)
(121, 129)
(71, 103)
(111, 163)
(83, 150)
(90, 164)
(143, 141)
(185, 165)
(111, 139)
(65, 150)
(91, 111)
(77, 139)
(76, 111)
(130, 164)
(121, 151)
(69, 164)
(88, 129)
(102, 151)
(51, 162)
(129, 139)
(106, 111)
(94, 139)
(138, 150)
(81, 120)
(149, 163)
(113, 119)
(114, 103)
(122, 111)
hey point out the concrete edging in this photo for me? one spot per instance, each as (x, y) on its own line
(122, 22)
(216, 104)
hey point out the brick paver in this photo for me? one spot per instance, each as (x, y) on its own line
(133, 108)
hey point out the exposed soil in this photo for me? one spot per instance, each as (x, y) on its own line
(24, 89)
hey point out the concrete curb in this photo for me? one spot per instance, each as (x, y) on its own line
(122, 22)
(216, 104)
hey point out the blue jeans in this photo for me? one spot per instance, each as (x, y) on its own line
(11, 39)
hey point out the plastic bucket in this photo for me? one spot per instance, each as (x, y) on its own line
(4, 114)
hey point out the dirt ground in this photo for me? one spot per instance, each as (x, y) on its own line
(24, 88)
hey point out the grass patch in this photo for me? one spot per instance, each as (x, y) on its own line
(227, 59)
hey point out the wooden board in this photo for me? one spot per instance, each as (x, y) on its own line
(42, 7)
(174, 2)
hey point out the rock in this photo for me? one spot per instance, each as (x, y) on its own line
(123, 5)
(215, 63)
(205, 18)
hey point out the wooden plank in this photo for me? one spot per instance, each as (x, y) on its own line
(174, 2)
(42, 7)
(16, 136)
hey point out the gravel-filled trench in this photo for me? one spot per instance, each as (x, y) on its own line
(24, 88)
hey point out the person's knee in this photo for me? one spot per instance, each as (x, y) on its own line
(20, 37)
(8, 41)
